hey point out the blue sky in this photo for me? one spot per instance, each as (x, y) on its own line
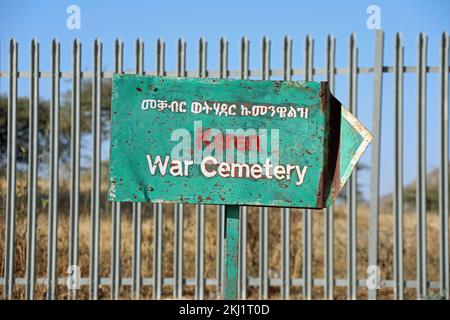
(232, 19)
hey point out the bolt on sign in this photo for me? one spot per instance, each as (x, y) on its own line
(231, 142)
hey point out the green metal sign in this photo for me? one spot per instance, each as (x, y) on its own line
(230, 142)
(234, 142)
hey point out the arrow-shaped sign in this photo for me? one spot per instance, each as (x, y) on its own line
(234, 142)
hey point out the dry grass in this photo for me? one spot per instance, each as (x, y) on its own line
(340, 240)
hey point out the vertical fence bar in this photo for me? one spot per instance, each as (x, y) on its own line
(32, 171)
(242, 254)
(285, 256)
(398, 168)
(264, 211)
(157, 250)
(158, 208)
(137, 207)
(178, 254)
(115, 207)
(136, 258)
(220, 219)
(375, 161)
(199, 265)
(53, 191)
(178, 210)
(242, 270)
(139, 51)
(285, 214)
(75, 157)
(443, 172)
(307, 215)
(421, 168)
(264, 252)
(351, 189)
(330, 61)
(95, 176)
(181, 62)
(200, 209)
(11, 171)
(329, 214)
(115, 258)
(220, 227)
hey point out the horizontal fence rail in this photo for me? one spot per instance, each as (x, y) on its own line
(296, 275)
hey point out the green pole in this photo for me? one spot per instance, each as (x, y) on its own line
(231, 244)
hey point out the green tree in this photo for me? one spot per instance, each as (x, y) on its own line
(44, 122)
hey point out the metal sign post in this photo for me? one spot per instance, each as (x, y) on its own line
(230, 142)
(231, 245)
